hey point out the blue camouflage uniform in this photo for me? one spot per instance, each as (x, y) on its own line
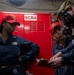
(64, 70)
(11, 50)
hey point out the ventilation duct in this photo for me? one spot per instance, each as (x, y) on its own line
(16, 2)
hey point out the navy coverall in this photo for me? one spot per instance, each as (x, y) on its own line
(11, 50)
(68, 58)
(64, 70)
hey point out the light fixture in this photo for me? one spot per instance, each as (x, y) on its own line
(16, 2)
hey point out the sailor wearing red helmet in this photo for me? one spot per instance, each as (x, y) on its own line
(63, 42)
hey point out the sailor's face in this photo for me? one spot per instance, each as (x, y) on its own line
(9, 27)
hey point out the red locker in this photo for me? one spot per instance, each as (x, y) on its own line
(35, 27)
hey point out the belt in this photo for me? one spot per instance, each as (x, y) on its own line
(5, 66)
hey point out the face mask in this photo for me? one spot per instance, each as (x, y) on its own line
(70, 22)
(67, 31)
(67, 19)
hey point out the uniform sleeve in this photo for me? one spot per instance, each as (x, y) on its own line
(31, 49)
(68, 48)
(64, 50)
(68, 58)
(55, 49)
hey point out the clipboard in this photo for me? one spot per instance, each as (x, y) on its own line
(43, 63)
